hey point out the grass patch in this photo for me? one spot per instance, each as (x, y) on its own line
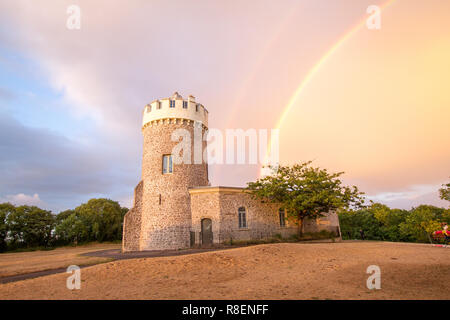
(278, 238)
(49, 248)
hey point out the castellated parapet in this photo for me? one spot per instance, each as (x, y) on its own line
(161, 216)
(175, 108)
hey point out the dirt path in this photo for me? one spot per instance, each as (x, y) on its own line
(106, 256)
(17, 263)
(274, 271)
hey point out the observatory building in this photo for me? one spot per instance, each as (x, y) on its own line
(174, 205)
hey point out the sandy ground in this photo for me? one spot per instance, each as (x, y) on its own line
(26, 262)
(272, 271)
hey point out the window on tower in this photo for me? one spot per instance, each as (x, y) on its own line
(167, 164)
(172, 103)
(185, 104)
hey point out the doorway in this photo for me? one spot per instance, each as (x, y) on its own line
(207, 235)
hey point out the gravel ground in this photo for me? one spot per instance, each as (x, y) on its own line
(272, 271)
(17, 263)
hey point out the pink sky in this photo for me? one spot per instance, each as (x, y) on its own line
(378, 107)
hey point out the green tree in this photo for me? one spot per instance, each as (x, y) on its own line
(305, 192)
(63, 215)
(72, 229)
(422, 222)
(351, 221)
(5, 210)
(96, 220)
(389, 221)
(444, 192)
(105, 218)
(30, 226)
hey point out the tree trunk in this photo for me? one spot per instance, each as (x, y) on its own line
(429, 238)
(300, 226)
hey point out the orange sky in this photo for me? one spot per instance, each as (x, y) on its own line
(382, 104)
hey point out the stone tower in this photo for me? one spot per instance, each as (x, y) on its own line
(161, 215)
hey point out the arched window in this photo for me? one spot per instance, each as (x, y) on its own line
(242, 218)
(282, 215)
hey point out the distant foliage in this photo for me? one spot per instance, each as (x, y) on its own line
(379, 222)
(444, 192)
(31, 227)
(96, 220)
(5, 210)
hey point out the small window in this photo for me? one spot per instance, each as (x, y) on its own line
(158, 105)
(185, 104)
(196, 108)
(242, 218)
(149, 108)
(167, 164)
(172, 103)
(282, 215)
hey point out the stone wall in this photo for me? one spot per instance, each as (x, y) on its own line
(132, 222)
(221, 204)
(205, 206)
(166, 215)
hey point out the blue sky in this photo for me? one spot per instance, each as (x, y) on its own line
(47, 160)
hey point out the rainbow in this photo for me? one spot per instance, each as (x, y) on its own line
(315, 69)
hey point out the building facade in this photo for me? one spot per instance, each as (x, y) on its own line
(175, 206)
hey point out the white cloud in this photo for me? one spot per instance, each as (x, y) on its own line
(411, 197)
(23, 199)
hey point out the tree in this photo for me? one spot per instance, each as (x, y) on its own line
(30, 226)
(105, 218)
(72, 229)
(305, 192)
(63, 215)
(351, 221)
(5, 210)
(444, 192)
(389, 221)
(422, 222)
(96, 220)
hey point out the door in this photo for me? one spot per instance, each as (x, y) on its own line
(207, 235)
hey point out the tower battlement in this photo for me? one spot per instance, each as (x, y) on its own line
(174, 108)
